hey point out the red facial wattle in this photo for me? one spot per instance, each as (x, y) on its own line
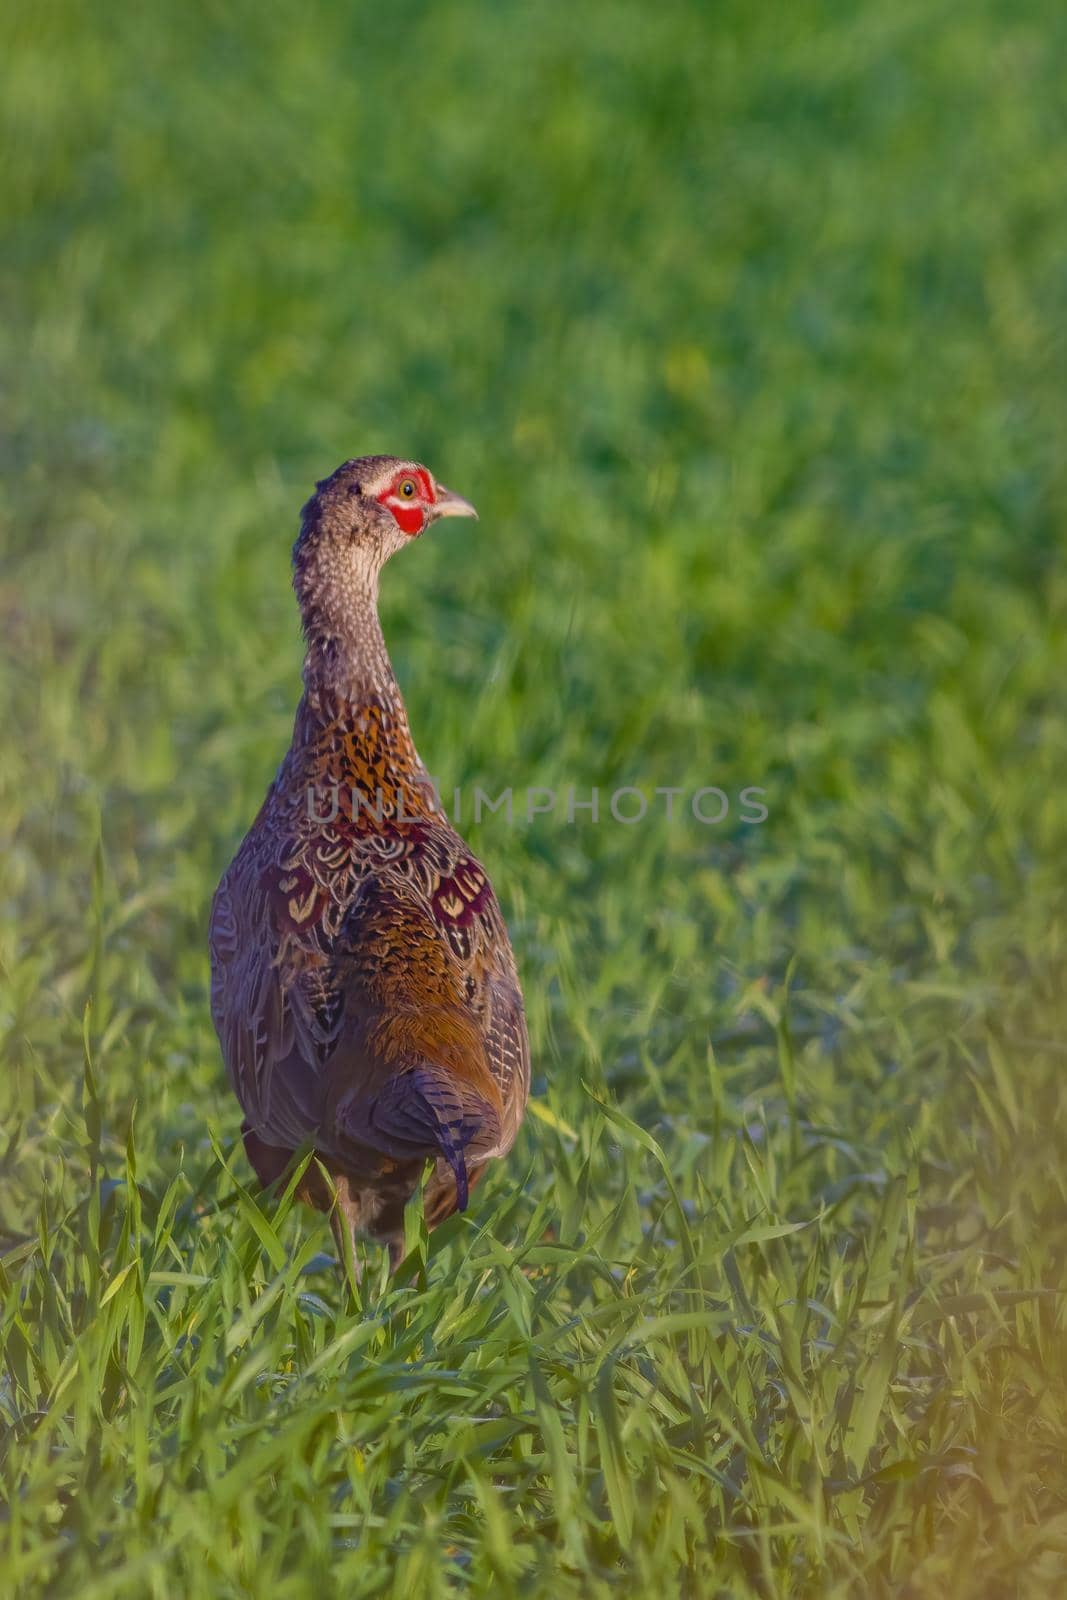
(409, 510)
(410, 518)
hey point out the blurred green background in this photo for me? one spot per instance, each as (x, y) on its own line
(743, 328)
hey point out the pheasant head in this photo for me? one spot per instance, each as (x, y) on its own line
(357, 518)
(370, 508)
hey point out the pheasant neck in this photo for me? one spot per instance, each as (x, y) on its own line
(348, 674)
(346, 654)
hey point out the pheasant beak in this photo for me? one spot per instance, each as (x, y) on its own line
(448, 504)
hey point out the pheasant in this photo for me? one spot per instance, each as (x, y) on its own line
(363, 986)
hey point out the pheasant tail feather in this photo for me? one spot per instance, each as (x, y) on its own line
(423, 1112)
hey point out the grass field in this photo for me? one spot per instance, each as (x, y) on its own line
(744, 328)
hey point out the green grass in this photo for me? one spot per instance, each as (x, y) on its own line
(743, 326)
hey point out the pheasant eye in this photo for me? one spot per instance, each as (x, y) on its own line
(407, 488)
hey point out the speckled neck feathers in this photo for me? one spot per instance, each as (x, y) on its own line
(335, 575)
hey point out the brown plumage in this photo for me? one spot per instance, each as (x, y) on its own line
(362, 983)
